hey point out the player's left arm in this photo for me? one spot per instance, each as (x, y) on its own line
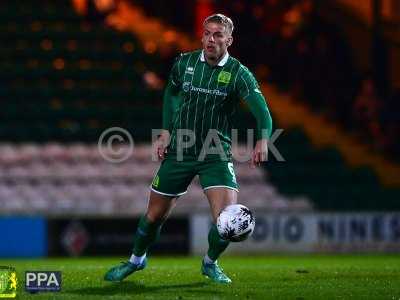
(250, 92)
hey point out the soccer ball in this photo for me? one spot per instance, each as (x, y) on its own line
(235, 223)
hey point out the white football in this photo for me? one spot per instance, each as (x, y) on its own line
(235, 223)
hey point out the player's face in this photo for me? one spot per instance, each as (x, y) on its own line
(215, 40)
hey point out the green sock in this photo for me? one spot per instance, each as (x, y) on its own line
(216, 245)
(146, 234)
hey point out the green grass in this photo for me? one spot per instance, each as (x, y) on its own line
(254, 277)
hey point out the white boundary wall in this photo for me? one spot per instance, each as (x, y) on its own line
(309, 232)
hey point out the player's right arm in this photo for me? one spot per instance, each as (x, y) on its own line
(171, 102)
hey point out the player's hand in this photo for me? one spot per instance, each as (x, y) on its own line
(260, 153)
(161, 144)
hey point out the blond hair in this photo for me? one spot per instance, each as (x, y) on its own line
(220, 19)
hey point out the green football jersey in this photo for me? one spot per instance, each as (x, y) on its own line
(208, 96)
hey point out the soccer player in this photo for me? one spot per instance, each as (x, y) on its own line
(203, 90)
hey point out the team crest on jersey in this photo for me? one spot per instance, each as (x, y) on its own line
(224, 77)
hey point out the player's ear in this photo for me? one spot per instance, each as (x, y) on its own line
(229, 41)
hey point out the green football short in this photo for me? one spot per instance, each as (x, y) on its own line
(173, 177)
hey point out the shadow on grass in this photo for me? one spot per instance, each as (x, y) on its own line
(133, 288)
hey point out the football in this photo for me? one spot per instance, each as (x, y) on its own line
(235, 223)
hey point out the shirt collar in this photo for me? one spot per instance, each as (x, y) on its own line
(221, 63)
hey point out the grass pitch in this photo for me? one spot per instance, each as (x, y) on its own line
(254, 277)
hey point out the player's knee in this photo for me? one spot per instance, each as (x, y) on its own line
(154, 217)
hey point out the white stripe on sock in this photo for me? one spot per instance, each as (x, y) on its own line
(208, 260)
(137, 260)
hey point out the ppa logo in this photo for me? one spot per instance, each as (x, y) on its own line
(42, 281)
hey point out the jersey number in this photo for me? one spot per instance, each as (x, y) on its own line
(230, 167)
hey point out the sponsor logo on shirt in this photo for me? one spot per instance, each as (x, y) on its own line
(186, 86)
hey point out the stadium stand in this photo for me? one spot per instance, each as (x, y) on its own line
(66, 78)
(57, 179)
